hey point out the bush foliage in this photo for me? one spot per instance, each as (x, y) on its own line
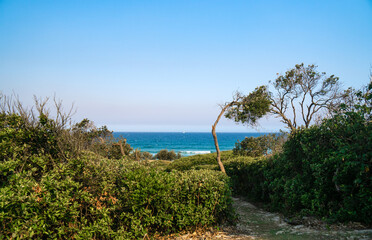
(78, 182)
(75, 183)
(93, 197)
(259, 146)
(164, 154)
(323, 170)
(200, 161)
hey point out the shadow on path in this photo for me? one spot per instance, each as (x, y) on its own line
(254, 223)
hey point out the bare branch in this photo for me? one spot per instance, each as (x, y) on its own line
(307, 91)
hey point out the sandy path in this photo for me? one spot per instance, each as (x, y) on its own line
(265, 225)
(255, 223)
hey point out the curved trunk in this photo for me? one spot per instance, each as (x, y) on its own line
(220, 164)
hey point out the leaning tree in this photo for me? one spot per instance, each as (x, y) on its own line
(244, 109)
(299, 95)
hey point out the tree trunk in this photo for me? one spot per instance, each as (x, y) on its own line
(220, 164)
(120, 144)
(121, 148)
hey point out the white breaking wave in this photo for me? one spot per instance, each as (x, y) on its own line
(195, 152)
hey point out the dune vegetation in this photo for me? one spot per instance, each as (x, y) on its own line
(73, 180)
(76, 182)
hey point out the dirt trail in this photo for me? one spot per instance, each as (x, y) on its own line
(255, 223)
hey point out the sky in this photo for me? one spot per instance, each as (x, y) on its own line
(167, 65)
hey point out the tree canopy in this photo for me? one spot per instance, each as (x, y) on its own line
(301, 94)
(248, 109)
(245, 109)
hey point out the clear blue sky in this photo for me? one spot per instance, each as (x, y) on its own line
(166, 65)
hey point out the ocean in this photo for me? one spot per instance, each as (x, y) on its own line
(188, 143)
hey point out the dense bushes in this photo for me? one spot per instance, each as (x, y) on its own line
(323, 170)
(247, 177)
(86, 136)
(94, 197)
(160, 201)
(73, 183)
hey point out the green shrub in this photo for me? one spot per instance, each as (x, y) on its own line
(86, 136)
(258, 146)
(325, 170)
(138, 155)
(50, 205)
(40, 133)
(146, 156)
(164, 154)
(198, 161)
(93, 197)
(168, 202)
(44, 194)
(55, 184)
(246, 174)
(247, 177)
(17, 135)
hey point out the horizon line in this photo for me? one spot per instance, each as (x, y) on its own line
(190, 132)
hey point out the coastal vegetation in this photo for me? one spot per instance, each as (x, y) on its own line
(73, 180)
(76, 182)
(264, 145)
(301, 94)
(321, 170)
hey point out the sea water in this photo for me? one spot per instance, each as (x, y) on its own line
(187, 143)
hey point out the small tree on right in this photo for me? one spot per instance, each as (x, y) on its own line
(301, 94)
